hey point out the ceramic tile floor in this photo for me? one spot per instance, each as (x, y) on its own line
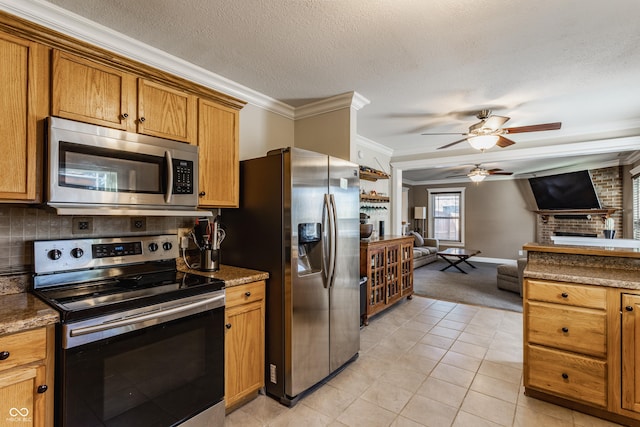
(425, 363)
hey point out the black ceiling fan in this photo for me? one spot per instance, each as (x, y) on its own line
(489, 131)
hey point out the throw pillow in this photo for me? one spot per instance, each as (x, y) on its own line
(417, 239)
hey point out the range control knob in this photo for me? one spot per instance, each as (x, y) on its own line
(54, 254)
(77, 252)
(153, 247)
(167, 246)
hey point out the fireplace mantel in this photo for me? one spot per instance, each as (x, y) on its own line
(603, 213)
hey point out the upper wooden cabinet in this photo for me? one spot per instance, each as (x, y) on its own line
(219, 163)
(87, 91)
(166, 112)
(23, 101)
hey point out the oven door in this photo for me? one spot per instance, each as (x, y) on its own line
(154, 370)
(101, 166)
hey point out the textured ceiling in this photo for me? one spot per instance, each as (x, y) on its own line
(426, 66)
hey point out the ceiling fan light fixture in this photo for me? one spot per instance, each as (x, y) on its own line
(477, 175)
(483, 142)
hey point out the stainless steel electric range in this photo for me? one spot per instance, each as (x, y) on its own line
(139, 343)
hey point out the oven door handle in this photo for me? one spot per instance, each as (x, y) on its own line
(156, 315)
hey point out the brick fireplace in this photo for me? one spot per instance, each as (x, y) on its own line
(608, 185)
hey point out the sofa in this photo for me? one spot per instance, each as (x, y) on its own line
(510, 276)
(424, 250)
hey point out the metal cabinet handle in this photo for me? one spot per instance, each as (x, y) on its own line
(247, 294)
(628, 308)
(565, 376)
(202, 194)
(564, 295)
(125, 115)
(565, 330)
(42, 388)
(4, 355)
(142, 119)
(228, 325)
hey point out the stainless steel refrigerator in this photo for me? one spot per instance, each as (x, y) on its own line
(299, 221)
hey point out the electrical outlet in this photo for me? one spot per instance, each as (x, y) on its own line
(520, 252)
(82, 225)
(138, 223)
(184, 242)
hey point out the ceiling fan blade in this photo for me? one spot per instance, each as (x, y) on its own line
(444, 133)
(452, 144)
(495, 122)
(500, 173)
(534, 128)
(504, 142)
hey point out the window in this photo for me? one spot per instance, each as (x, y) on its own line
(636, 207)
(446, 213)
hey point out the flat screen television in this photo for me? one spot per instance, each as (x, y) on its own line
(573, 190)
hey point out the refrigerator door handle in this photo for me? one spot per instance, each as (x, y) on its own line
(334, 240)
(326, 259)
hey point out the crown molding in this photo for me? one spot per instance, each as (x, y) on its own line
(63, 21)
(333, 103)
(363, 142)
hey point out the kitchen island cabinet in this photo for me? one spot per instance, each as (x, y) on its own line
(387, 262)
(581, 336)
(23, 105)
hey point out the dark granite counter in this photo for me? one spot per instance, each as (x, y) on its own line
(22, 311)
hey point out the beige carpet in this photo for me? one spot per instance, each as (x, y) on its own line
(478, 287)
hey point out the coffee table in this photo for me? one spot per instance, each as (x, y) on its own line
(455, 256)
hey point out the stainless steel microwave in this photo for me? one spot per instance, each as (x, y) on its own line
(93, 170)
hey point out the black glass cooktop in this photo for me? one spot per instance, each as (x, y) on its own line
(112, 294)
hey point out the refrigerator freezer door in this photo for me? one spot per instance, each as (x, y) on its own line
(307, 300)
(344, 338)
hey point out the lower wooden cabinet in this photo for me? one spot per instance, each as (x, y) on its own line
(244, 342)
(388, 265)
(26, 377)
(582, 347)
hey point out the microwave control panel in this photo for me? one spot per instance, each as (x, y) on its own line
(182, 176)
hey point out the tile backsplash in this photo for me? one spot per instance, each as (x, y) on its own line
(20, 226)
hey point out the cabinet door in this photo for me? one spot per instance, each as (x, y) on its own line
(23, 90)
(244, 351)
(407, 268)
(21, 402)
(219, 158)
(89, 92)
(630, 342)
(393, 271)
(376, 285)
(166, 112)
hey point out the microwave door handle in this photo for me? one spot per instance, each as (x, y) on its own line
(169, 191)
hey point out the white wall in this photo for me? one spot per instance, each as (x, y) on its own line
(262, 130)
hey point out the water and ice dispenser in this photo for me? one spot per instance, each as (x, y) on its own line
(309, 248)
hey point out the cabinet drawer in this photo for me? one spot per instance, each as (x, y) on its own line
(568, 375)
(244, 294)
(567, 293)
(23, 347)
(581, 330)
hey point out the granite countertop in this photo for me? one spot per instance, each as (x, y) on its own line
(232, 276)
(611, 277)
(22, 311)
(609, 251)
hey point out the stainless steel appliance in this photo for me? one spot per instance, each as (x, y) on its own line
(299, 220)
(139, 343)
(93, 170)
